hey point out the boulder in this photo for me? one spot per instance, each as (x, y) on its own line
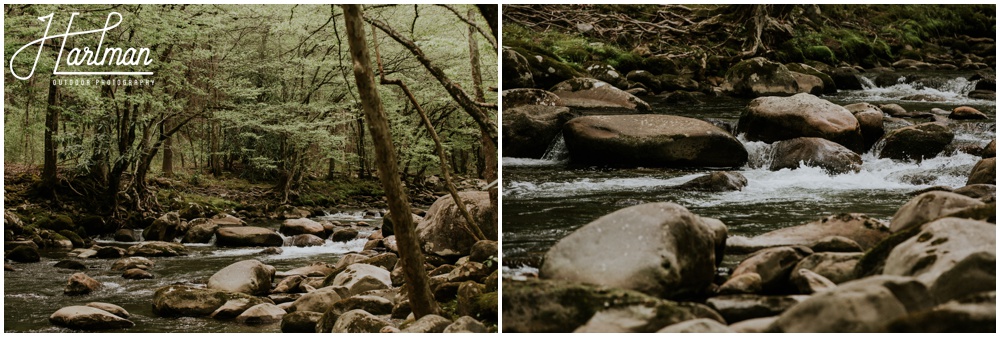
(250, 277)
(428, 324)
(247, 236)
(809, 282)
(360, 277)
(759, 77)
(965, 112)
(735, 308)
(774, 265)
(300, 322)
(967, 277)
(358, 321)
(441, 231)
(808, 83)
(23, 254)
(292, 227)
(606, 73)
(112, 252)
(744, 283)
(771, 119)
(985, 172)
(569, 305)
(165, 228)
(846, 78)
(663, 250)
(134, 262)
(818, 152)
(721, 181)
(756, 325)
(588, 93)
(857, 227)
(227, 220)
(651, 141)
(186, 301)
(81, 284)
(465, 324)
(264, 313)
(70, 264)
(469, 271)
(74, 238)
(374, 305)
(829, 85)
(305, 240)
(836, 244)
(870, 118)
(200, 230)
(468, 293)
(319, 300)
(941, 246)
(634, 318)
(137, 274)
(865, 305)
(516, 70)
(157, 248)
(895, 110)
(701, 325)
(990, 150)
(344, 235)
(528, 130)
(927, 207)
(483, 250)
(110, 308)
(949, 317)
(232, 308)
(916, 142)
(513, 98)
(79, 317)
(977, 191)
(836, 267)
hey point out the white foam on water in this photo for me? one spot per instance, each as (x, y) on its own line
(288, 252)
(953, 91)
(521, 273)
(511, 161)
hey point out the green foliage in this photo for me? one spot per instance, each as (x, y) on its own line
(56, 222)
(572, 48)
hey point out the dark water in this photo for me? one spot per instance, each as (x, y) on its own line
(545, 200)
(35, 290)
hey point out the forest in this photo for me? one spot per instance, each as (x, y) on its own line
(190, 133)
(259, 98)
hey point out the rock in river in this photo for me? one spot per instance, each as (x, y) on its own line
(528, 130)
(588, 93)
(88, 318)
(250, 277)
(916, 142)
(247, 236)
(812, 151)
(858, 227)
(661, 249)
(441, 233)
(185, 301)
(651, 141)
(771, 119)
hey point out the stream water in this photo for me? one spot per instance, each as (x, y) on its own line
(35, 290)
(546, 199)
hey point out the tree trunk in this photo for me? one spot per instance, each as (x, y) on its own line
(487, 150)
(51, 130)
(215, 161)
(412, 260)
(168, 157)
(362, 158)
(490, 13)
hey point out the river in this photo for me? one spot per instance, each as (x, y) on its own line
(35, 290)
(546, 199)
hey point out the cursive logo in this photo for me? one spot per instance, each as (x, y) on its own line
(96, 57)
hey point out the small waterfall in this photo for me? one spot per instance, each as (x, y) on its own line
(954, 90)
(760, 154)
(557, 150)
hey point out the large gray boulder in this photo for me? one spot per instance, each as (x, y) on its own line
(771, 119)
(358, 321)
(264, 313)
(759, 77)
(661, 249)
(319, 300)
(441, 233)
(81, 284)
(528, 130)
(248, 276)
(88, 318)
(589, 93)
(817, 152)
(651, 141)
(865, 305)
(916, 142)
(200, 230)
(516, 70)
(927, 207)
(867, 232)
(247, 236)
(939, 247)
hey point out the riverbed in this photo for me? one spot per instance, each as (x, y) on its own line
(546, 199)
(35, 290)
